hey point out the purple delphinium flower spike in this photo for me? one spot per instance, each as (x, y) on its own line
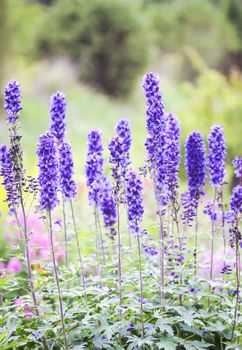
(115, 159)
(119, 158)
(94, 163)
(237, 164)
(216, 156)
(155, 108)
(58, 115)
(123, 131)
(236, 200)
(195, 163)
(66, 164)
(106, 201)
(233, 216)
(7, 173)
(173, 156)
(12, 101)
(156, 117)
(134, 200)
(156, 143)
(48, 171)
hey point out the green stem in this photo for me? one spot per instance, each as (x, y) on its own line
(119, 259)
(141, 289)
(237, 267)
(57, 281)
(78, 247)
(101, 237)
(27, 255)
(212, 234)
(195, 244)
(65, 231)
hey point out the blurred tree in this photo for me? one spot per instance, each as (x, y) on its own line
(233, 11)
(45, 2)
(196, 23)
(106, 39)
(5, 38)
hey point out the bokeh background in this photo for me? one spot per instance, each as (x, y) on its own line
(96, 52)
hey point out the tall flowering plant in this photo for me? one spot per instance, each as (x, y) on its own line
(156, 125)
(134, 200)
(48, 198)
(13, 173)
(217, 167)
(195, 164)
(94, 179)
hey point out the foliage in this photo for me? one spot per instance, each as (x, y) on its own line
(105, 39)
(214, 99)
(93, 322)
(198, 24)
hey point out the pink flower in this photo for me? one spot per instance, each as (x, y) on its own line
(14, 265)
(39, 244)
(218, 262)
(60, 253)
(26, 308)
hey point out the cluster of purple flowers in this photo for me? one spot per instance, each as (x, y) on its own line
(119, 159)
(123, 131)
(9, 181)
(134, 200)
(12, 101)
(237, 164)
(94, 164)
(195, 163)
(66, 164)
(58, 115)
(106, 202)
(155, 122)
(48, 171)
(172, 157)
(217, 155)
(236, 200)
(162, 143)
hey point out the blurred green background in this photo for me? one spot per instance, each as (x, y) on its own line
(96, 52)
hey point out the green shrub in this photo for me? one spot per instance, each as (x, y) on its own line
(196, 23)
(105, 39)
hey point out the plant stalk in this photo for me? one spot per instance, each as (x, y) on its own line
(78, 247)
(65, 231)
(57, 281)
(141, 289)
(119, 259)
(237, 304)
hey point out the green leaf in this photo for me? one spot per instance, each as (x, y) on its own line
(195, 345)
(3, 281)
(216, 327)
(164, 326)
(167, 344)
